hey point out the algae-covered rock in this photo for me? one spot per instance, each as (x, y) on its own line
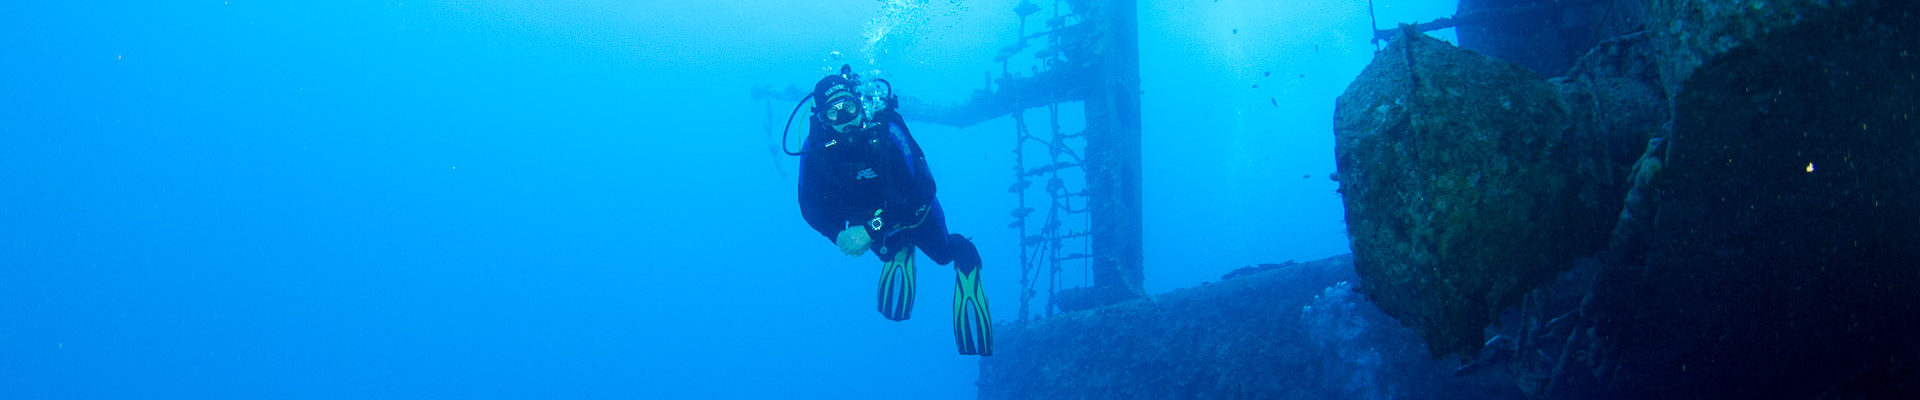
(1783, 256)
(1460, 187)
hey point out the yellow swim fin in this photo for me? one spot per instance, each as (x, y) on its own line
(972, 321)
(897, 286)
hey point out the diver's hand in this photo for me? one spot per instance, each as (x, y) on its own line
(854, 240)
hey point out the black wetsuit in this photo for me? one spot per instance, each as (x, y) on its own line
(849, 179)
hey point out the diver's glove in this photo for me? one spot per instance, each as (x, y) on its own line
(854, 240)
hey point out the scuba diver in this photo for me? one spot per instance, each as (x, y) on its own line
(864, 184)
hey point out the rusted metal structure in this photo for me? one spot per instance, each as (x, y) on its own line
(1084, 51)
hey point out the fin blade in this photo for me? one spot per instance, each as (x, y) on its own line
(972, 319)
(897, 286)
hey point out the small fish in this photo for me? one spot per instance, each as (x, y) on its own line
(1316, 48)
(1276, 103)
(1256, 86)
(1269, 73)
(1303, 75)
(1236, 31)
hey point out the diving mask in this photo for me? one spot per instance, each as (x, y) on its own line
(843, 112)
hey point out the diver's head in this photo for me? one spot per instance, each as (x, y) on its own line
(836, 101)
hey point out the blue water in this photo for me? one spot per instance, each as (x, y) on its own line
(570, 199)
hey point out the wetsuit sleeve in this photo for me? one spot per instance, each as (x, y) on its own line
(818, 202)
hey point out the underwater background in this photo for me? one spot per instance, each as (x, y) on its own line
(571, 199)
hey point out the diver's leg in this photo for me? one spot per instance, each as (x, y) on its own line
(972, 320)
(931, 235)
(897, 282)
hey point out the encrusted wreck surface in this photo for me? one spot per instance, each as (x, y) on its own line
(1460, 185)
(1294, 331)
(1781, 257)
(1615, 106)
(1689, 33)
(1739, 186)
(1761, 164)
